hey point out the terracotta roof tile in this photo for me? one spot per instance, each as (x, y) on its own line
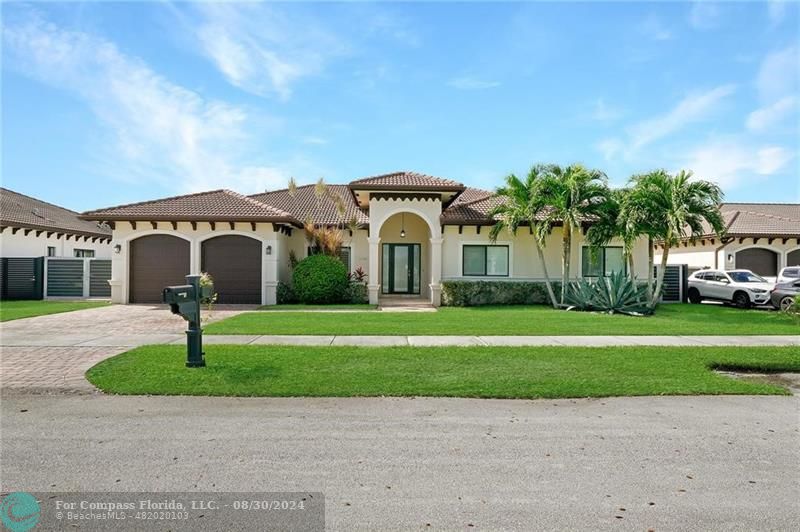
(19, 210)
(215, 205)
(304, 203)
(759, 219)
(405, 181)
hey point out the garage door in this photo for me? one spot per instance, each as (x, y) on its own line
(235, 264)
(793, 258)
(759, 260)
(156, 261)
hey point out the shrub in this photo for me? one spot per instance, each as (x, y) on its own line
(475, 293)
(320, 279)
(793, 310)
(615, 294)
(286, 294)
(357, 293)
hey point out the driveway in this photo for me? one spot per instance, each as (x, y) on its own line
(53, 352)
(647, 463)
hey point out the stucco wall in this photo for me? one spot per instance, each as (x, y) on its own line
(124, 233)
(702, 256)
(19, 245)
(524, 263)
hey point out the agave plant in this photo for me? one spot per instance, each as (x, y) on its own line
(615, 294)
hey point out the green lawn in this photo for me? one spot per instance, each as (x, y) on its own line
(527, 321)
(521, 372)
(14, 310)
(300, 306)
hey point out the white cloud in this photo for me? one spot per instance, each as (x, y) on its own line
(160, 131)
(260, 50)
(704, 14)
(777, 76)
(603, 112)
(776, 9)
(468, 83)
(766, 117)
(319, 141)
(610, 147)
(653, 28)
(693, 108)
(731, 161)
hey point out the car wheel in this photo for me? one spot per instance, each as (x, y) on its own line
(787, 302)
(694, 296)
(741, 300)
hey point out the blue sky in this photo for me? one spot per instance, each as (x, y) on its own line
(111, 103)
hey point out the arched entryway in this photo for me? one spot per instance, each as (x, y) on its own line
(762, 261)
(405, 256)
(234, 262)
(156, 261)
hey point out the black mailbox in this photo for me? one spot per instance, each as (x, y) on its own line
(184, 300)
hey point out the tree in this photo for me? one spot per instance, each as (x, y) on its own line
(678, 208)
(521, 202)
(613, 222)
(573, 195)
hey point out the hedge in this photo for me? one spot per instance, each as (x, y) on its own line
(476, 293)
(320, 279)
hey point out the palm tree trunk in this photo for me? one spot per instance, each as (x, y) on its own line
(549, 286)
(650, 265)
(660, 279)
(566, 245)
(630, 268)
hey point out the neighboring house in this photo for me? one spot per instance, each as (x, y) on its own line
(33, 228)
(762, 237)
(410, 231)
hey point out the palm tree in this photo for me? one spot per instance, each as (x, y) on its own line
(678, 207)
(614, 221)
(521, 202)
(573, 194)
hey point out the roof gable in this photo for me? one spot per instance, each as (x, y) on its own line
(304, 203)
(19, 210)
(405, 180)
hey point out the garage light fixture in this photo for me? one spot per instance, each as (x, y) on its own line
(117, 248)
(269, 250)
(730, 257)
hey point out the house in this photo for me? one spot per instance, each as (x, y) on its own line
(762, 237)
(408, 231)
(33, 228)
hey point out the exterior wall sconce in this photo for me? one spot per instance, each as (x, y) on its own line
(269, 250)
(117, 248)
(730, 257)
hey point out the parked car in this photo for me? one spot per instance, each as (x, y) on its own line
(782, 296)
(743, 288)
(789, 274)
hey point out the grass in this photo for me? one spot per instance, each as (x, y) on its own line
(527, 321)
(301, 306)
(14, 310)
(521, 372)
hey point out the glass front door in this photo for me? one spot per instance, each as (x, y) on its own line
(401, 269)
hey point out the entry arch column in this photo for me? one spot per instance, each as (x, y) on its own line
(373, 282)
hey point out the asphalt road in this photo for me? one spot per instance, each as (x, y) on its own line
(660, 463)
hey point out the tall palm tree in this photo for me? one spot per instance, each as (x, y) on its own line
(521, 202)
(614, 221)
(574, 194)
(678, 208)
(636, 212)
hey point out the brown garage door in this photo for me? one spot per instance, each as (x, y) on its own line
(759, 260)
(793, 258)
(156, 261)
(235, 264)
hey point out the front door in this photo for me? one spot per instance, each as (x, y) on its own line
(401, 265)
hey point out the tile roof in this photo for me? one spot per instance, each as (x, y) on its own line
(761, 219)
(215, 205)
(406, 181)
(19, 210)
(304, 203)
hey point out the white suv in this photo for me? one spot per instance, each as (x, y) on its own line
(789, 274)
(743, 288)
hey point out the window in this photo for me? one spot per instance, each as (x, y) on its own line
(84, 253)
(51, 251)
(485, 261)
(344, 254)
(603, 262)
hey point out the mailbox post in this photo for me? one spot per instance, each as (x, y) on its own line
(185, 301)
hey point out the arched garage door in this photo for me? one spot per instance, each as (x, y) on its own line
(235, 264)
(156, 261)
(759, 260)
(793, 258)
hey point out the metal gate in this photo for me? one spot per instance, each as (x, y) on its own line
(21, 277)
(77, 278)
(676, 280)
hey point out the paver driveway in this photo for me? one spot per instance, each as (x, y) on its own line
(51, 353)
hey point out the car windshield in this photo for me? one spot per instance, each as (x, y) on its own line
(791, 272)
(746, 277)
